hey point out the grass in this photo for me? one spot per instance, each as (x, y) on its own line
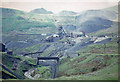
(23, 21)
(103, 74)
(22, 63)
(11, 24)
(112, 31)
(6, 60)
(107, 68)
(44, 72)
(33, 48)
(108, 48)
(18, 21)
(46, 30)
(29, 60)
(6, 72)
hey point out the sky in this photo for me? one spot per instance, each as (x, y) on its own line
(58, 5)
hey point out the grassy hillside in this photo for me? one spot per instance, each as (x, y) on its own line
(90, 67)
(41, 11)
(107, 48)
(18, 21)
(19, 65)
(14, 20)
(95, 62)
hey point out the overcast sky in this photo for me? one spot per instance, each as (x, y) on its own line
(58, 5)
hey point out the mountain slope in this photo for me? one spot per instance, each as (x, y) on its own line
(114, 9)
(66, 13)
(94, 20)
(95, 24)
(6, 12)
(41, 11)
(19, 21)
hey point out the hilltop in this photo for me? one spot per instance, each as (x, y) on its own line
(41, 11)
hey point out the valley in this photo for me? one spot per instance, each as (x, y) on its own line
(85, 43)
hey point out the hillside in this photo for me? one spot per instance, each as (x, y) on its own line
(85, 44)
(41, 11)
(89, 67)
(18, 65)
(66, 13)
(6, 12)
(94, 20)
(18, 21)
(114, 8)
(34, 23)
(112, 31)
